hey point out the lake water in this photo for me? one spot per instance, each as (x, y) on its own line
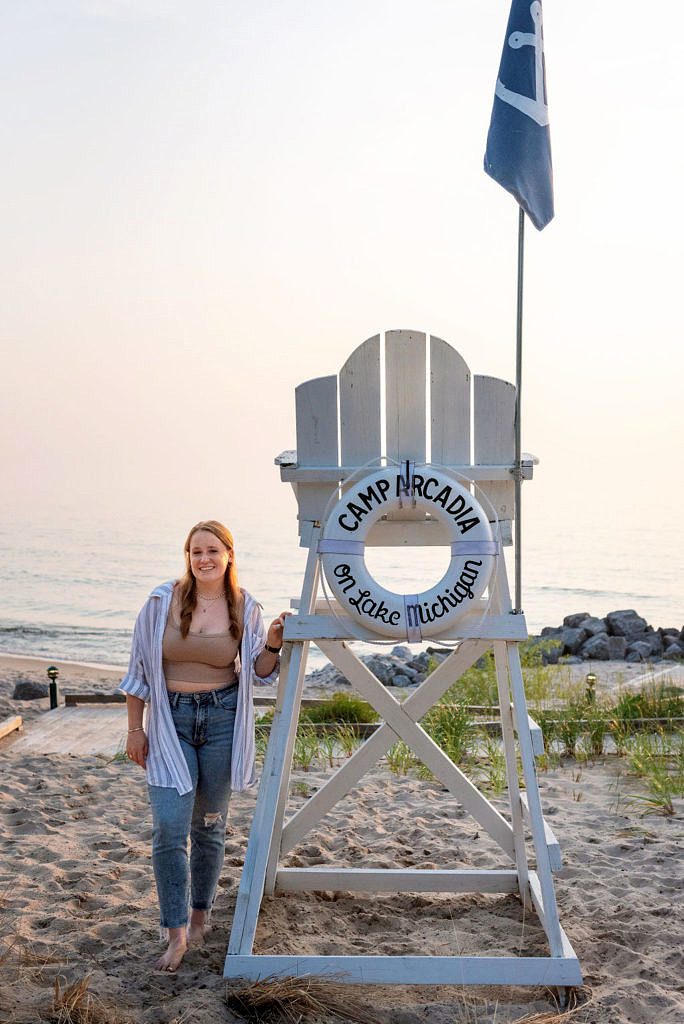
(71, 590)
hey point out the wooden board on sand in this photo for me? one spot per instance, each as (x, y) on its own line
(79, 730)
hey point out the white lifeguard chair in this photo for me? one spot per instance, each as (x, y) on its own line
(327, 458)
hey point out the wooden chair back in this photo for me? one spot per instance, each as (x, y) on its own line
(411, 398)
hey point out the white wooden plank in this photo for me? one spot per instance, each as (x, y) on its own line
(12, 724)
(501, 595)
(316, 407)
(541, 851)
(395, 715)
(46, 733)
(102, 731)
(411, 970)
(506, 717)
(405, 395)
(76, 730)
(286, 767)
(469, 627)
(506, 532)
(333, 473)
(450, 382)
(360, 405)
(535, 889)
(264, 823)
(370, 752)
(552, 843)
(409, 528)
(252, 880)
(389, 880)
(494, 436)
(536, 735)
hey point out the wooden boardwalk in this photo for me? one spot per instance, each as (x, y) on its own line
(82, 730)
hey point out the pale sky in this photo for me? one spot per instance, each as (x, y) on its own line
(205, 204)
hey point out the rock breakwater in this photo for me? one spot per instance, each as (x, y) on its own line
(622, 635)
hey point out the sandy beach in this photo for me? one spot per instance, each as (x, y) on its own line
(77, 894)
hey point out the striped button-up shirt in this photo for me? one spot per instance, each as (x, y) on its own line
(166, 764)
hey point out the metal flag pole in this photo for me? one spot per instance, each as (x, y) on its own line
(518, 417)
(518, 156)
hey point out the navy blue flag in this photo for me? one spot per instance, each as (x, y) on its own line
(518, 152)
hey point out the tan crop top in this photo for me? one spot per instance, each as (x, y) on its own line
(199, 658)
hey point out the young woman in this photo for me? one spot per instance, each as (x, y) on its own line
(199, 645)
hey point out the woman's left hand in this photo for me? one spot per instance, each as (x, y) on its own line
(274, 637)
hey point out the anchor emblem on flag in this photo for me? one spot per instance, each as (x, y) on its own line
(534, 108)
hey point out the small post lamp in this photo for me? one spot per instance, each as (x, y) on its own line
(591, 688)
(53, 672)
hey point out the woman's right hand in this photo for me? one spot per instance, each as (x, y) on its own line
(136, 747)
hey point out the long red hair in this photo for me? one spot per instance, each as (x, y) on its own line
(188, 584)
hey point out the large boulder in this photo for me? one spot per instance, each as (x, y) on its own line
(329, 675)
(549, 631)
(402, 680)
(674, 650)
(381, 666)
(26, 689)
(594, 626)
(420, 662)
(401, 651)
(638, 650)
(386, 668)
(437, 654)
(572, 640)
(626, 623)
(406, 670)
(596, 648)
(575, 620)
(617, 647)
(655, 640)
(551, 654)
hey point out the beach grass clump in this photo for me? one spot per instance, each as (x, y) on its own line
(569, 726)
(547, 720)
(622, 730)
(347, 738)
(478, 687)
(307, 748)
(329, 747)
(399, 758)
(328, 743)
(261, 743)
(75, 1004)
(450, 727)
(286, 1000)
(493, 765)
(340, 707)
(597, 717)
(659, 700)
(658, 759)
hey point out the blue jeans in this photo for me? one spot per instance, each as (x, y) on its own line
(204, 723)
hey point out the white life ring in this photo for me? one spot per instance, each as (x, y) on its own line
(413, 616)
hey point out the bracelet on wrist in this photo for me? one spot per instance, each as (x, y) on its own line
(272, 650)
(138, 728)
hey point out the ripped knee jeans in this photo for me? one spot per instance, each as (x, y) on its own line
(204, 723)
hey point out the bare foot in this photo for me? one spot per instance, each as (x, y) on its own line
(197, 927)
(175, 952)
